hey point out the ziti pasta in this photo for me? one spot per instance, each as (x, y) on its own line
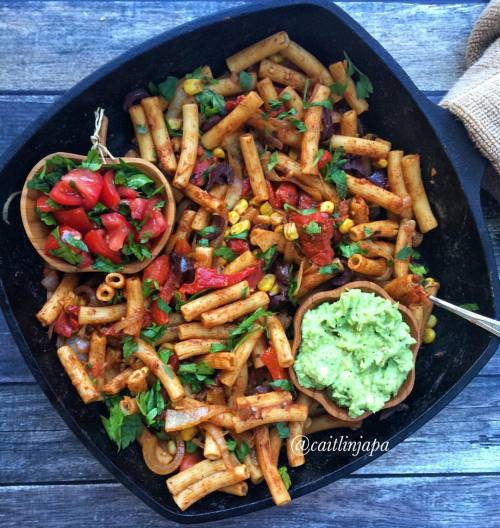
(281, 190)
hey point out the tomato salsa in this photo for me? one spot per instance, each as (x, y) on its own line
(99, 217)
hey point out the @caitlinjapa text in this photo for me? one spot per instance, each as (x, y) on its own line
(340, 444)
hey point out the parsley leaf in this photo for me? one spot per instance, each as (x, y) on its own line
(364, 87)
(333, 173)
(286, 113)
(129, 347)
(273, 161)
(225, 253)
(133, 178)
(93, 160)
(218, 347)
(104, 264)
(95, 213)
(209, 230)
(299, 125)
(122, 429)
(406, 253)
(417, 269)
(337, 88)
(472, 307)
(285, 477)
(163, 306)
(203, 242)
(348, 250)
(149, 286)
(210, 103)
(324, 104)
(368, 232)
(246, 81)
(239, 236)
(77, 243)
(191, 447)
(246, 325)
(282, 428)
(267, 256)
(196, 375)
(152, 404)
(287, 207)
(52, 172)
(63, 250)
(47, 218)
(313, 228)
(282, 384)
(329, 269)
(153, 332)
(167, 87)
(242, 451)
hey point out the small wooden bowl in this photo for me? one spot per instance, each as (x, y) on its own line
(37, 231)
(321, 396)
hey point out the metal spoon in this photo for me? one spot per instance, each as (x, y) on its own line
(492, 325)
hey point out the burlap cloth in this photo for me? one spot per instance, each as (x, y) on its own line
(475, 98)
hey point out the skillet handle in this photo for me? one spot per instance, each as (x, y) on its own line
(469, 164)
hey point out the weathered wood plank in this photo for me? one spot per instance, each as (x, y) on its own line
(393, 502)
(432, 56)
(464, 438)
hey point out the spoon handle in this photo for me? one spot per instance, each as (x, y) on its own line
(487, 323)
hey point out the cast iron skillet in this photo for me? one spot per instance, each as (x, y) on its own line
(458, 253)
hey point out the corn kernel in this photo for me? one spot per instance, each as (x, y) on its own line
(429, 336)
(227, 231)
(276, 219)
(327, 207)
(267, 282)
(266, 209)
(380, 163)
(189, 433)
(345, 226)
(233, 217)
(274, 290)
(240, 227)
(174, 123)
(279, 229)
(193, 86)
(241, 206)
(219, 153)
(432, 322)
(171, 447)
(290, 231)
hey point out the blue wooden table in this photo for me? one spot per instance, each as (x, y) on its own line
(446, 474)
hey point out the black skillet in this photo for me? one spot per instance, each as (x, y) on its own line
(458, 253)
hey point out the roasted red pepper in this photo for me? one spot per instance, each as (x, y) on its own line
(208, 278)
(270, 360)
(317, 246)
(67, 322)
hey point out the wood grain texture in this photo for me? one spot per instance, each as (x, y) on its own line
(389, 502)
(427, 40)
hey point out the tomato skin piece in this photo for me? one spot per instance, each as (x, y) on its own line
(88, 185)
(326, 157)
(109, 194)
(246, 189)
(43, 206)
(98, 245)
(52, 243)
(270, 360)
(286, 193)
(233, 103)
(237, 245)
(305, 201)
(126, 192)
(189, 459)
(118, 229)
(155, 225)
(63, 194)
(138, 208)
(158, 271)
(76, 218)
(166, 294)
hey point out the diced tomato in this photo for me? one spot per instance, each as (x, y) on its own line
(64, 194)
(126, 192)
(86, 261)
(233, 103)
(88, 185)
(189, 459)
(237, 245)
(67, 322)
(158, 270)
(326, 157)
(155, 225)
(52, 243)
(305, 201)
(272, 198)
(43, 206)
(118, 229)
(286, 193)
(138, 208)
(166, 293)
(109, 193)
(183, 247)
(98, 245)
(76, 218)
(270, 360)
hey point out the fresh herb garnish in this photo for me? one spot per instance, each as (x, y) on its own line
(299, 125)
(406, 253)
(218, 347)
(152, 404)
(472, 307)
(47, 218)
(313, 228)
(104, 264)
(417, 269)
(167, 87)
(210, 103)
(273, 161)
(323, 104)
(63, 250)
(368, 232)
(246, 80)
(191, 447)
(282, 384)
(196, 375)
(364, 87)
(337, 88)
(285, 477)
(287, 207)
(122, 429)
(348, 250)
(267, 256)
(93, 160)
(287, 113)
(239, 236)
(333, 172)
(329, 269)
(153, 332)
(129, 347)
(203, 242)
(149, 286)
(95, 213)
(225, 253)
(246, 326)
(209, 230)
(52, 172)
(283, 430)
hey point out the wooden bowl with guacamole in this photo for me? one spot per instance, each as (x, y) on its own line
(352, 342)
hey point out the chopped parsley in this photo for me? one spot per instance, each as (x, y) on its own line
(153, 332)
(267, 256)
(273, 161)
(329, 269)
(129, 347)
(285, 477)
(313, 228)
(246, 81)
(121, 428)
(104, 264)
(283, 430)
(225, 253)
(152, 404)
(364, 87)
(196, 375)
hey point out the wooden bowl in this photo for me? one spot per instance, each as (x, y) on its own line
(37, 231)
(321, 396)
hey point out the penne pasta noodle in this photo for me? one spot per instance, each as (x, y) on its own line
(198, 331)
(258, 51)
(294, 450)
(219, 360)
(96, 315)
(254, 168)
(159, 133)
(377, 229)
(229, 86)
(265, 239)
(403, 240)
(97, 357)
(377, 248)
(241, 262)
(294, 102)
(118, 383)
(142, 133)
(420, 203)
(359, 210)
(257, 352)
(340, 77)
(239, 386)
(293, 412)
(235, 310)
(279, 341)
(269, 470)
(282, 75)
(210, 450)
(137, 382)
(135, 306)
(307, 62)
(372, 193)
(396, 180)
(78, 375)
(268, 92)
(147, 354)
(204, 198)
(276, 442)
(203, 305)
(360, 146)
(183, 231)
(189, 149)
(349, 124)
(51, 310)
(195, 347)
(310, 138)
(258, 401)
(229, 124)
(367, 266)
(203, 256)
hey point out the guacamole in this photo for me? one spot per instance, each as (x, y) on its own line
(357, 348)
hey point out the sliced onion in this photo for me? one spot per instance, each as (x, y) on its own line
(79, 345)
(50, 281)
(176, 420)
(133, 97)
(157, 458)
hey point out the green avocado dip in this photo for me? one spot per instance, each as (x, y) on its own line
(357, 348)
